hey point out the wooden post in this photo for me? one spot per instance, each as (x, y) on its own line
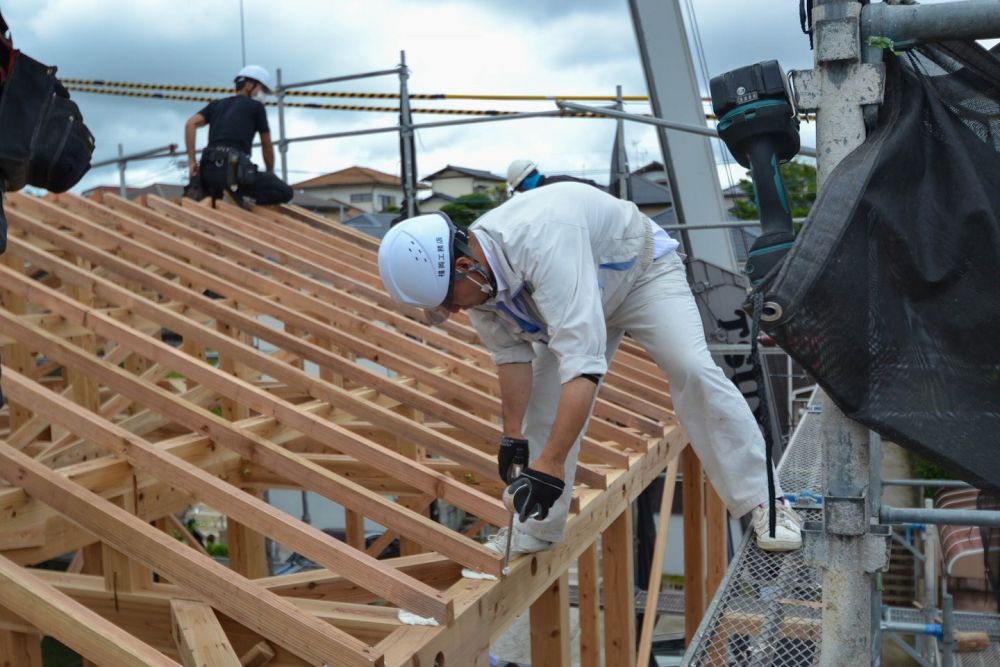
(656, 567)
(549, 621)
(694, 543)
(619, 591)
(355, 528)
(231, 410)
(409, 449)
(18, 649)
(715, 540)
(247, 547)
(589, 603)
(121, 573)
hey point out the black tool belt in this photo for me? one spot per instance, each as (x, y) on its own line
(226, 167)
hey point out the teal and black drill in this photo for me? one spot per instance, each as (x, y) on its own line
(758, 123)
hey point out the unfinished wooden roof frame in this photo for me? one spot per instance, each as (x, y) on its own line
(109, 432)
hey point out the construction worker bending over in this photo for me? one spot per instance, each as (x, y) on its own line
(232, 123)
(523, 175)
(552, 280)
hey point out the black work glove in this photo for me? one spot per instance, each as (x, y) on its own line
(532, 494)
(512, 450)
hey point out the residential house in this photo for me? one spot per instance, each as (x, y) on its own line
(334, 209)
(373, 224)
(457, 181)
(369, 190)
(435, 202)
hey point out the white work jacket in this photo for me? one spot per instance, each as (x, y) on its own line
(562, 255)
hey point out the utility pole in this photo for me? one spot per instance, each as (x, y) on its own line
(406, 140)
(282, 142)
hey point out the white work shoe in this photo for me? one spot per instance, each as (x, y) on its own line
(521, 544)
(787, 527)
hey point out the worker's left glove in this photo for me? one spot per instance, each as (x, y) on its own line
(532, 494)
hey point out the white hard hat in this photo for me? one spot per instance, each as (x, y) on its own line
(258, 74)
(415, 260)
(518, 171)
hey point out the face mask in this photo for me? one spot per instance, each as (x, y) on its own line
(260, 96)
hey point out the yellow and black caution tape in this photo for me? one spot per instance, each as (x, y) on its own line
(221, 90)
(310, 105)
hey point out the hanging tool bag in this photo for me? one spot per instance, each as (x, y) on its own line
(43, 139)
(225, 168)
(890, 296)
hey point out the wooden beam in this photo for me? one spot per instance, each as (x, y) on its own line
(656, 567)
(319, 546)
(715, 540)
(694, 542)
(589, 604)
(70, 622)
(261, 611)
(619, 591)
(199, 637)
(259, 655)
(146, 614)
(549, 623)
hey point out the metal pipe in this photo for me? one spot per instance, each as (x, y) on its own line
(947, 631)
(121, 172)
(912, 628)
(908, 650)
(348, 77)
(941, 517)
(622, 161)
(424, 126)
(282, 140)
(162, 151)
(927, 645)
(652, 120)
(908, 25)
(942, 483)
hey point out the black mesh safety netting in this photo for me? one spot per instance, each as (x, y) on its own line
(890, 296)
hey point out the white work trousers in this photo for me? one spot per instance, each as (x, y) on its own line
(660, 314)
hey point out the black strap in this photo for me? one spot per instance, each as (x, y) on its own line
(758, 370)
(806, 19)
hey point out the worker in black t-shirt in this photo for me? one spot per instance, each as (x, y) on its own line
(232, 123)
(523, 175)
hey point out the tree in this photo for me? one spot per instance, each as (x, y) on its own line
(800, 186)
(464, 210)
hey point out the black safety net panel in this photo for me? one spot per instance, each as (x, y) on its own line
(890, 296)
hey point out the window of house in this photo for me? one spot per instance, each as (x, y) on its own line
(385, 201)
(359, 197)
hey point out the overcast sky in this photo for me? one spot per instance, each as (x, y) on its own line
(536, 47)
